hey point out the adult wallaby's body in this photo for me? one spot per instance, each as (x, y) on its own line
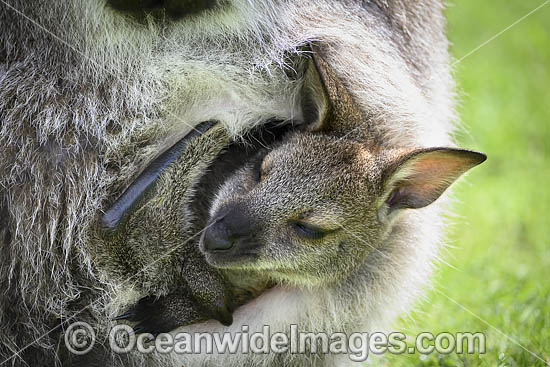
(89, 97)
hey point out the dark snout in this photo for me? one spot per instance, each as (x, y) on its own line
(232, 228)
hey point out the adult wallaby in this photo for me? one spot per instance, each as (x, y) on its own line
(92, 92)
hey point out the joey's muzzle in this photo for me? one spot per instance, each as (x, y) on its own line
(230, 229)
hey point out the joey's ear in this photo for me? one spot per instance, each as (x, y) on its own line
(315, 101)
(417, 179)
(129, 200)
(326, 103)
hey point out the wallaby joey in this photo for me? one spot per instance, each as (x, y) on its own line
(309, 209)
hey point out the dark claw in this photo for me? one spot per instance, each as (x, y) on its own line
(224, 316)
(124, 316)
(137, 329)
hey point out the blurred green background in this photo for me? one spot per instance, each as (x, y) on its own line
(499, 266)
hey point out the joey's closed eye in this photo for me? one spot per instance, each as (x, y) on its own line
(310, 231)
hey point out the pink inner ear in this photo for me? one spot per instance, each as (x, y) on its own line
(440, 164)
(430, 173)
(435, 170)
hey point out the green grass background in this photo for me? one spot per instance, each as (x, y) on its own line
(500, 263)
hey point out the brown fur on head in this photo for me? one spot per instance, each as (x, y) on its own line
(311, 209)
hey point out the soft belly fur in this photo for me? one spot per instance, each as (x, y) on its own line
(89, 96)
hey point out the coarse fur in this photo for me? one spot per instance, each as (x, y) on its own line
(165, 212)
(89, 97)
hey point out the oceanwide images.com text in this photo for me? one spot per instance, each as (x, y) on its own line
(80, 339)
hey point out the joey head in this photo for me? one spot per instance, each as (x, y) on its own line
(309, 210)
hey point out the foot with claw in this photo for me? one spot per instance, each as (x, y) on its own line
(160, 315)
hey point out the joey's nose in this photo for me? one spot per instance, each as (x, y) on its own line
(216, 238)
(227, 230)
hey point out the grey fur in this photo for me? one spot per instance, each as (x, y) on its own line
(85, 108)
